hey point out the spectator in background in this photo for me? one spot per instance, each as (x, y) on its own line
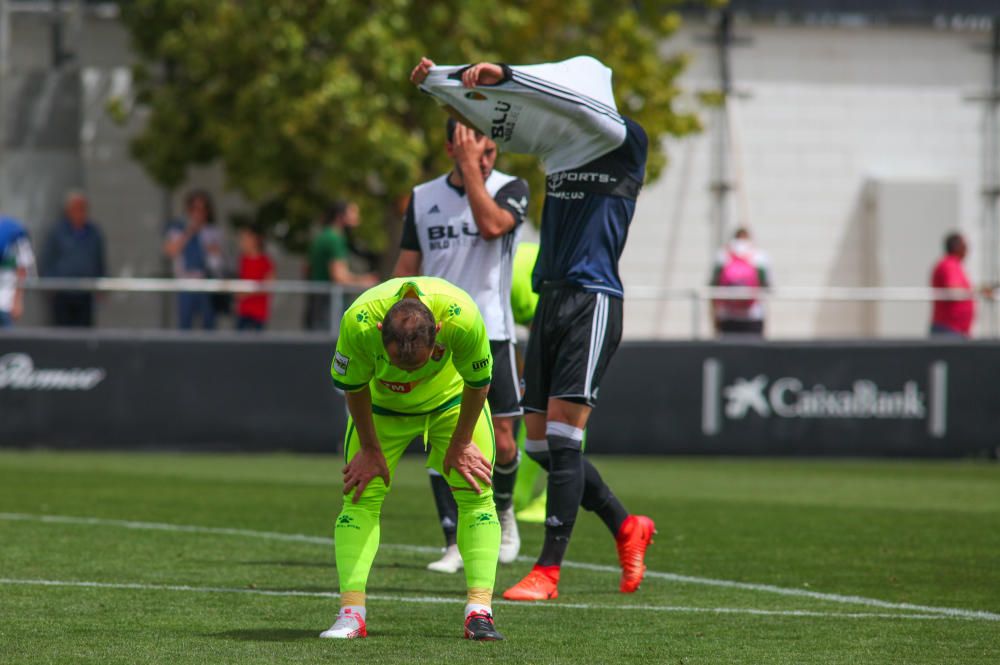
(253, 310)
(17, 260)
(75, 248)
(952, 318)
(194, 244)
(328, 261)
(740, 264)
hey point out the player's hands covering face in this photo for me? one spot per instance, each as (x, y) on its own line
(362, 469)
(468, 147)
(468, 461)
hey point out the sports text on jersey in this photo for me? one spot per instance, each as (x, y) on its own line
(571, 185)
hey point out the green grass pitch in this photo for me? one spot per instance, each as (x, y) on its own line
(169, 558)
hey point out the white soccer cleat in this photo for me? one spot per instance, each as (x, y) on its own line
(510, 539)
(348, 625)
(451, 562)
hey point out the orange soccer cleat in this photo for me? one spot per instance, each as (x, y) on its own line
(540, 584)
(634, 536)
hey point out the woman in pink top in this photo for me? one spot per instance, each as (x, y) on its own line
(952, 317)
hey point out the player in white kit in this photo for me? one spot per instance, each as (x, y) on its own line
(463, 226)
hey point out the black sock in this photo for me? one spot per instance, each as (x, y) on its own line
(504, 478)
(446, 507)
(597, 498)
(541, 457)
(565, 492)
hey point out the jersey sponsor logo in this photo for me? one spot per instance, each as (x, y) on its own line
(480, 364)
(340, 363)
(444, 231)
(398, 387)
(445, 236)
(557, 180)
(454, 310)
(434, 210)
(438, 353)
(504, 120)
(477, 96)
(17, 372)
(362, 317)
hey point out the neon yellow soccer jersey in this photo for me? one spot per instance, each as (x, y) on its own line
(461, 350)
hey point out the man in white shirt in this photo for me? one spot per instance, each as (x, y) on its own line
(462, 227)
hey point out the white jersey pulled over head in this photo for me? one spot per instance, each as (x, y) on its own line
(564, 112)
(440, 225)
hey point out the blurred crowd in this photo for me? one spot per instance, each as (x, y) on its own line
(195, 246)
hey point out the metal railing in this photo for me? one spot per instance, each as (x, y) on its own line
(337, 293)
(699, 299)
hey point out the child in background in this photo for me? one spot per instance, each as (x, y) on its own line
(253, 309)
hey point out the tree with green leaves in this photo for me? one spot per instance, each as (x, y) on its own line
(303, 101)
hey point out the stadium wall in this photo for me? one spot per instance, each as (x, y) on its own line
(821, 113)
(71, 390)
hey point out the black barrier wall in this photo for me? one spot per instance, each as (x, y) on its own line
(257, 393)
(165, 390)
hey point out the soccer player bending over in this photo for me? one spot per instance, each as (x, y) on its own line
(595, 161)
(413, 358)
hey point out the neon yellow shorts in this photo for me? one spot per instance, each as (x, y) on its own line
(395, 431)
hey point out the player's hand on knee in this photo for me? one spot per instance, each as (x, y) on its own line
(420, 72)
(468, 461)
(362, 469)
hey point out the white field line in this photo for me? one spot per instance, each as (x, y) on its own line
(653, 574)
(458, 601)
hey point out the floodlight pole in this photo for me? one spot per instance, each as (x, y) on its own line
(990, 174)
(722, 183)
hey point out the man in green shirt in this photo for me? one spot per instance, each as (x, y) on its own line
(413, 358)
(328, 261)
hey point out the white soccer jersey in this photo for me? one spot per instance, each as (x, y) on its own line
(564, 112)
(439, 223)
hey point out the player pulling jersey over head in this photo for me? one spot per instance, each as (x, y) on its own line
(595, 163)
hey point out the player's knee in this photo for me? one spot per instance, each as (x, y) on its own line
(370, 500)
(561, 436)
(468, 500)
(540, 456)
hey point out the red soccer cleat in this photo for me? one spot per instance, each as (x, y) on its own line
(634, 536)
(539, 584)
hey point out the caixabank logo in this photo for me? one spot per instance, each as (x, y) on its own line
(767, 396)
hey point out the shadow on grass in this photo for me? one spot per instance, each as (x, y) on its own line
(303, 634)
(269, 634)
(290, 564)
